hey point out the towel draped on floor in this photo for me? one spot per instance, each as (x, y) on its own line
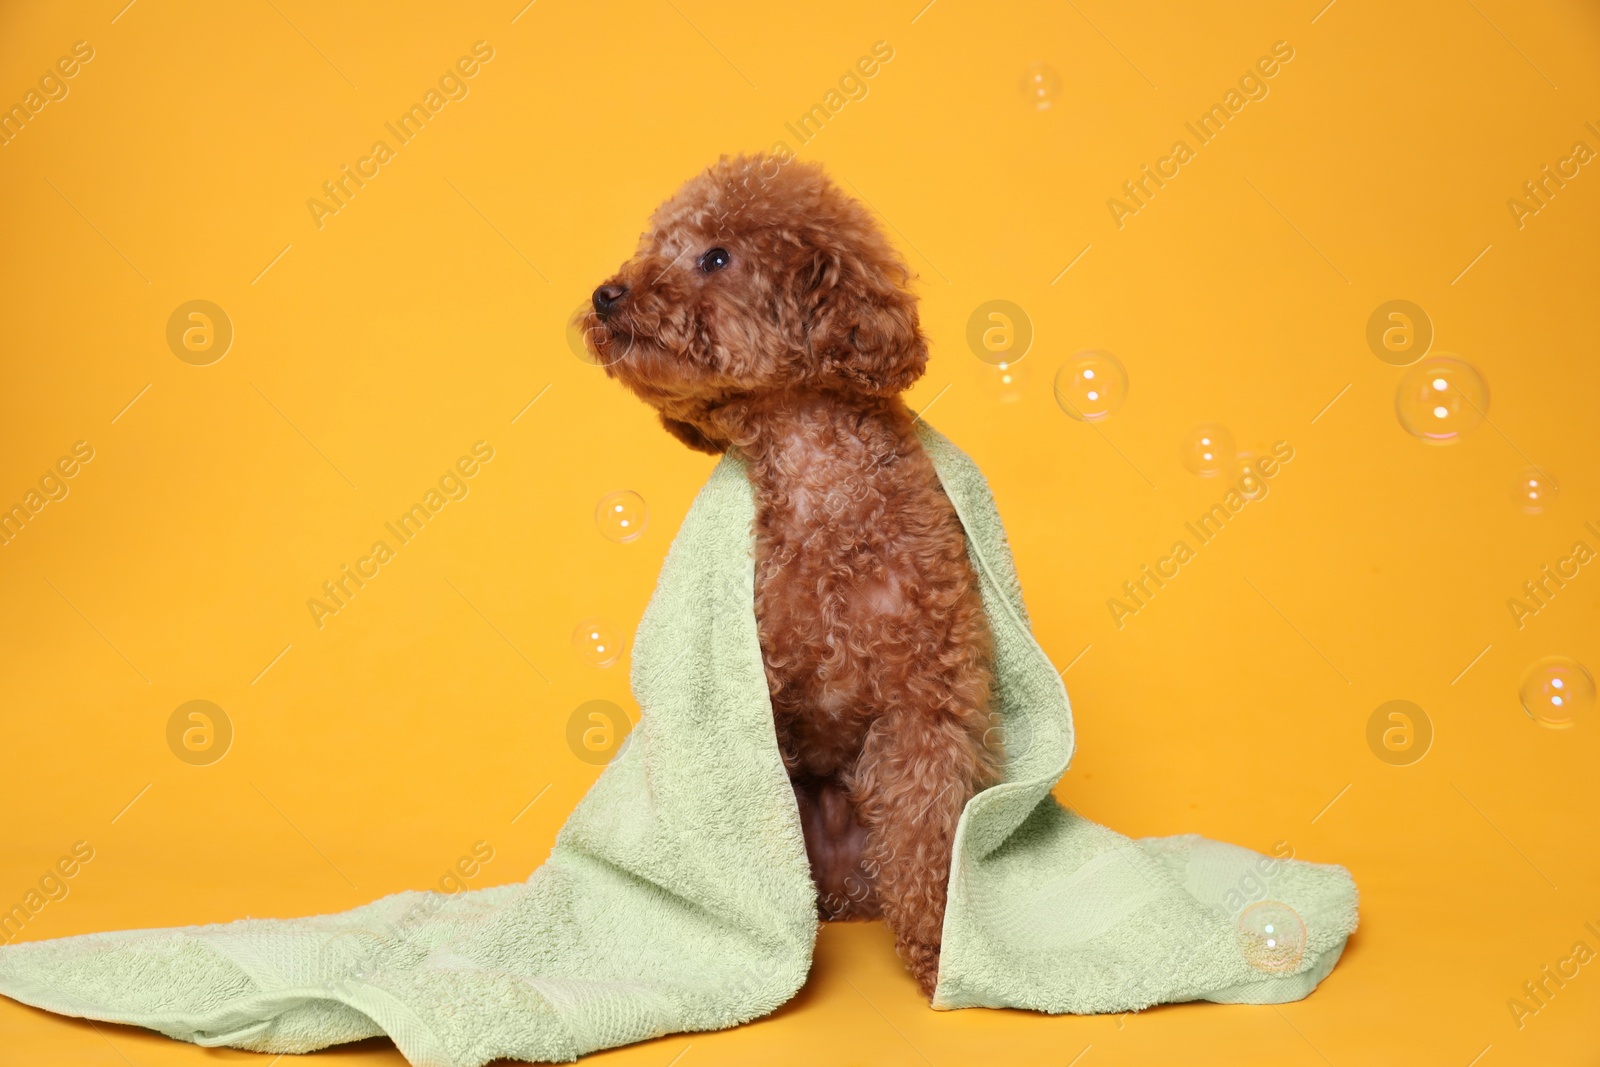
(677, 896)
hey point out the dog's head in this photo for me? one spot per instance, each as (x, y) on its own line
(757, 277)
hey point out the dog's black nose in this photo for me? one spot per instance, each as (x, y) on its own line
(606, 297)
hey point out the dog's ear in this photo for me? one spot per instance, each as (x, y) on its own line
(860, 322)
(690, 435)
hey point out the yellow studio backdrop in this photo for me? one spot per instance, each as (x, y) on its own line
(241, 342)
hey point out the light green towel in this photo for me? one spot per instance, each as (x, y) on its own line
(678, 897)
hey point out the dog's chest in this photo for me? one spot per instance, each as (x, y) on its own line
(856, 567)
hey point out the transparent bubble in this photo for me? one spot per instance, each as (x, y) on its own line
(1091, 385)
(622, 515)
(1207, 449)
(1245, 470)
(1041, 85)
(1005, 381)
(597, 642)
(1556, 690)
(1533, 490)
(1272, 937)
(1441, 398)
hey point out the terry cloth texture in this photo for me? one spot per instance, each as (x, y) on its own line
(678, 897)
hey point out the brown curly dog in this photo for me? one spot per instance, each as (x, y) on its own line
(765, 311)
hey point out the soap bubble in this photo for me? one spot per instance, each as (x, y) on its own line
(1005, 381)
(597, 642)
(1207, 449)
(1245, 471)
(622, 515)
(1440, 399)
(1041, 85)
(1555, 690)
(1091, 385)
(1272, 937)
(1533, 490)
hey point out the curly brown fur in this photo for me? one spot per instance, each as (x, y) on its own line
(792, 345)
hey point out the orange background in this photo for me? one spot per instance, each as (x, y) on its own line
(370, 353)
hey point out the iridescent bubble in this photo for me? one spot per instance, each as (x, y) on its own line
(1091, 385)
(1556, 690)
(1441, 398)
(622, 515)
(1041, 85)
(1533, 490)
(597, 642)
(1207, 449)
(1245, 470)
(1005, 381)
(1272, 937)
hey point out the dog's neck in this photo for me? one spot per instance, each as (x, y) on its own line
(770, 427)
(802, 447)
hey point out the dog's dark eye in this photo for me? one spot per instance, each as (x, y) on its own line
(715, 260)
